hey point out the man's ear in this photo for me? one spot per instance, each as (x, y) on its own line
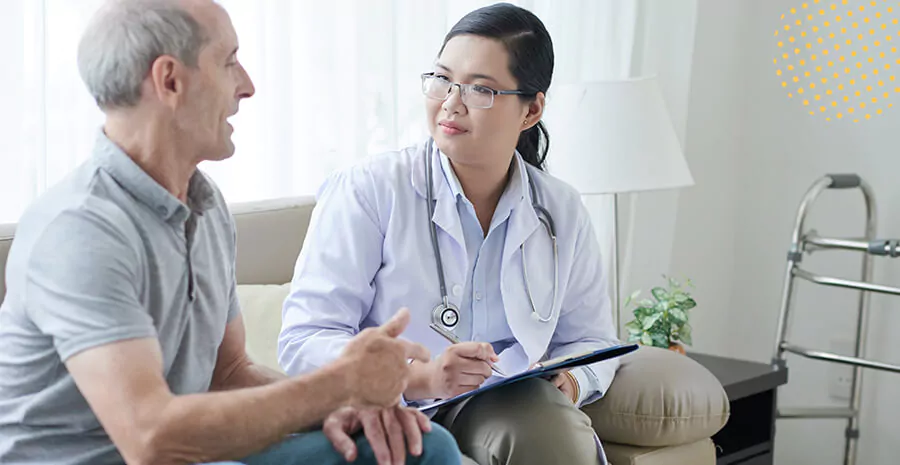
(535, 112)
(167, 80)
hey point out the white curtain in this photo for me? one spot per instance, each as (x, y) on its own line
(336, 81)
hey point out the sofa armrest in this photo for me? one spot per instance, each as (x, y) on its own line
(660, 398)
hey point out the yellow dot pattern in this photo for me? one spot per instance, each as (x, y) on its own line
(857, 34)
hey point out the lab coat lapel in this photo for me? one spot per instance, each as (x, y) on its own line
(523, 222)
(445, 215)
(523, 225)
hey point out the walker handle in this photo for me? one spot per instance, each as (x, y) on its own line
(885, 248)
(844, 181)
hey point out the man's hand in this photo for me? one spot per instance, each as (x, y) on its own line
(377, 363)
(567, 384)
(389, 431)
(461, 368)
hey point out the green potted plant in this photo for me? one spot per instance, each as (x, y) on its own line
(663, 320)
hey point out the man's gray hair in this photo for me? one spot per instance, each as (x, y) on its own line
(123, 40)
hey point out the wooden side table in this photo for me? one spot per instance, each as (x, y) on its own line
(749, 436)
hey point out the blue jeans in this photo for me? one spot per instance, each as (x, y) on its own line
(439, 448)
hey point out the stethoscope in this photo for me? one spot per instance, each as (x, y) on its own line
(445, 313)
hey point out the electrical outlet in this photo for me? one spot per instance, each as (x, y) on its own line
(840, 376)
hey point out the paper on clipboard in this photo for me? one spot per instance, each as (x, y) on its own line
(545, 369)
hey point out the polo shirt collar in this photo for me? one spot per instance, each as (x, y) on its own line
(111, 158)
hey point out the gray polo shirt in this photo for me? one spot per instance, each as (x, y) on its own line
(108, 255)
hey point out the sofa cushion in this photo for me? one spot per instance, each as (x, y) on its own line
(270, 234)
(701, 452)
(660, 398)
(261, 308)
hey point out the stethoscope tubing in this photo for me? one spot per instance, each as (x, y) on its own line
(440, 313)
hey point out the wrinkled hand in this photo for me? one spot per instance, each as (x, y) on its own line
(377, 363)
(566, 384)
(461, 368)
(391, 432)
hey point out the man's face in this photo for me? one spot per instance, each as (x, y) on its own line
(214, 89)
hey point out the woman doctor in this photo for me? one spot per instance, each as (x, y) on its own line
(479, 193)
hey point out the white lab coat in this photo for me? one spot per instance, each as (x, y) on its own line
(368, 253)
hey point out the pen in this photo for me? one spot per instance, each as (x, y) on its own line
(455, 340)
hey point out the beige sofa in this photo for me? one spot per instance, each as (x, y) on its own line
(662, 408)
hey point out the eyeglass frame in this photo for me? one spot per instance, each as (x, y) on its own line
(494, 92)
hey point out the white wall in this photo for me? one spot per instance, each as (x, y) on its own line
(703, 247)
(754, 152)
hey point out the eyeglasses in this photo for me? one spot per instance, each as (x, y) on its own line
(472, 95)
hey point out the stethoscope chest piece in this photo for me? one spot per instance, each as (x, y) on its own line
(446, 314)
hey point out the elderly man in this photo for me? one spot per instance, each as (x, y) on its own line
(121, 336)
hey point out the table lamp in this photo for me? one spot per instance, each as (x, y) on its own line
(612, 137)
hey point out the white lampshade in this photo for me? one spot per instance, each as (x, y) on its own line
(613, 137)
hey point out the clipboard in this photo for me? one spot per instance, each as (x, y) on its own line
(545, 369)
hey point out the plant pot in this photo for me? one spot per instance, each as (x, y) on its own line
(676, 347)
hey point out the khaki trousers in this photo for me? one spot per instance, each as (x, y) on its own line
(527, 423)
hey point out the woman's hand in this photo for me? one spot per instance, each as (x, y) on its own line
(567, 383)
(461, 368)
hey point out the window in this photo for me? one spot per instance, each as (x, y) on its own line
(309, 116)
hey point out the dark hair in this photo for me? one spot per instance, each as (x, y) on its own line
(530, 60)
